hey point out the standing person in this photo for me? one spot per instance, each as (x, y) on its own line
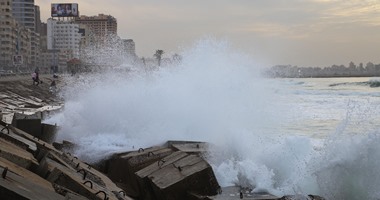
(37, 78)
(53, 86)
(34, 75)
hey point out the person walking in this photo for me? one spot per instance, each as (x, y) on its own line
(37, 78)
(34, 76)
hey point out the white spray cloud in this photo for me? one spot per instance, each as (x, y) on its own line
(214, 95)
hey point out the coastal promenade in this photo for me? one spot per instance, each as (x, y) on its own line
(18, 94)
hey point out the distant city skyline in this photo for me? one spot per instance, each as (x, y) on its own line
(296, 32)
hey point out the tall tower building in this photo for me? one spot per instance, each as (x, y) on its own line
(43, 36)
(26, 14)
(15, 40)
(23, 12)
(8, 34)
(37, 19)
(101, 25)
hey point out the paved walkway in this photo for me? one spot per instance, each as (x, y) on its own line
(21, 77)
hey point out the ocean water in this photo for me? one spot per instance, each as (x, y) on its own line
(284, 136)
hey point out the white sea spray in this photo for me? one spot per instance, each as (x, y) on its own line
(216, 95)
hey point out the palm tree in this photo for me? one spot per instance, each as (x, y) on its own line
(158, 55)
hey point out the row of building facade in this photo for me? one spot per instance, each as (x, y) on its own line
(28, 43)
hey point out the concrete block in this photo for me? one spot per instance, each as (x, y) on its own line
(175, 178)
(26, 174)
(16, 154)
(48, 132)
(145, 188)
(72, 182)
(16, 187)
(189, 147)
(10, 134)
(31, 126)
(79, 178)
(121, 167)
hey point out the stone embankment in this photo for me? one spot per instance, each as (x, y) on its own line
(35, 167)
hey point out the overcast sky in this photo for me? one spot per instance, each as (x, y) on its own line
(296, 32)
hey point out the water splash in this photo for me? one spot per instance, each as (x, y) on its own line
(216, 95)
(205, 97)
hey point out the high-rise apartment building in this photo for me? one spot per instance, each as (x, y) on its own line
(8, 34)
(28, 17)
(63, 40)
(63, 35)
(15, 40)
(129, 48)
(86, 36)
(101, 25)
(23, 12)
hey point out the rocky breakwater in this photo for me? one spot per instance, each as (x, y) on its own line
(34, 166)
(31, 167)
